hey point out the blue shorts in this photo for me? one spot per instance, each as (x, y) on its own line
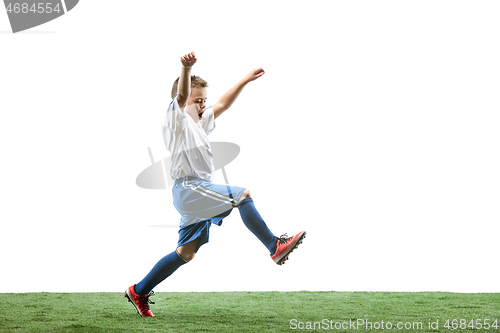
(202, 203)
(200, 230)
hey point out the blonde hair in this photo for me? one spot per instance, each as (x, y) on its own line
(196, 82)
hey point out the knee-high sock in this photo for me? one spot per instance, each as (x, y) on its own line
(163, 269)
(254, 222)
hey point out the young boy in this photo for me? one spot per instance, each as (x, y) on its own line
(200, 202)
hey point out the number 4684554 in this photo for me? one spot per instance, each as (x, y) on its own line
(472, 324)
(36, 8)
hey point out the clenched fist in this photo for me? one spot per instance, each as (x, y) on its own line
(188, 60)
(254, 74)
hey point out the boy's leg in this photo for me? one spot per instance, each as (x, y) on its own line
(167, 266)
(138, 294)
(254, 222)
(191, 238)
(280, 248)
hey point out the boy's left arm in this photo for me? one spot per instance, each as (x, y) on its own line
(229, 97)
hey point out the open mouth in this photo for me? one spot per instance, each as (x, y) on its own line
(200, 115)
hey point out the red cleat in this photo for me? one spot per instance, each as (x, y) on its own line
(285, 246)
(141, 303)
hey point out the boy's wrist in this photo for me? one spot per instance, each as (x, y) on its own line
(246, 80)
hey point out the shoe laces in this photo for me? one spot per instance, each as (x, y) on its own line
(283, 239)
(146, 301)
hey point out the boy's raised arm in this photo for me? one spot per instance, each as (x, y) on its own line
(184, 90)
(230, 96)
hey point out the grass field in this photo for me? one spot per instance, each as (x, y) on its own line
(252, 312)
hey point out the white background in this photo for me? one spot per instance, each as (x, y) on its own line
(375, 129)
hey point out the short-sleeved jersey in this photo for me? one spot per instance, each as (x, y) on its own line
(188, 142)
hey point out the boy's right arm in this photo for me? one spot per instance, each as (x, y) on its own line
(184, 90)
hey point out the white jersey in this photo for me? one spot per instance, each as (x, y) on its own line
(188, 142)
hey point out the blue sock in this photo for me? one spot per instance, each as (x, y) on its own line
(163, 269)
(254, 222)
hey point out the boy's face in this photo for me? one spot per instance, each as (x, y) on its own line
(196, 103)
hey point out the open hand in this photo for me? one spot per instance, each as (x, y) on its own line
(255, 74)
(188, 60)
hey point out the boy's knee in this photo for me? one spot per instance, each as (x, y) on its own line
(245, 195)
(185, 255)
(187, 252)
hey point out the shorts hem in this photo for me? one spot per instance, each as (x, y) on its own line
(189, 233)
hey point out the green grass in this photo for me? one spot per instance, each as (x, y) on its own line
(243, 311)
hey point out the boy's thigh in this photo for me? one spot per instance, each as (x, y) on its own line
(204, 200)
